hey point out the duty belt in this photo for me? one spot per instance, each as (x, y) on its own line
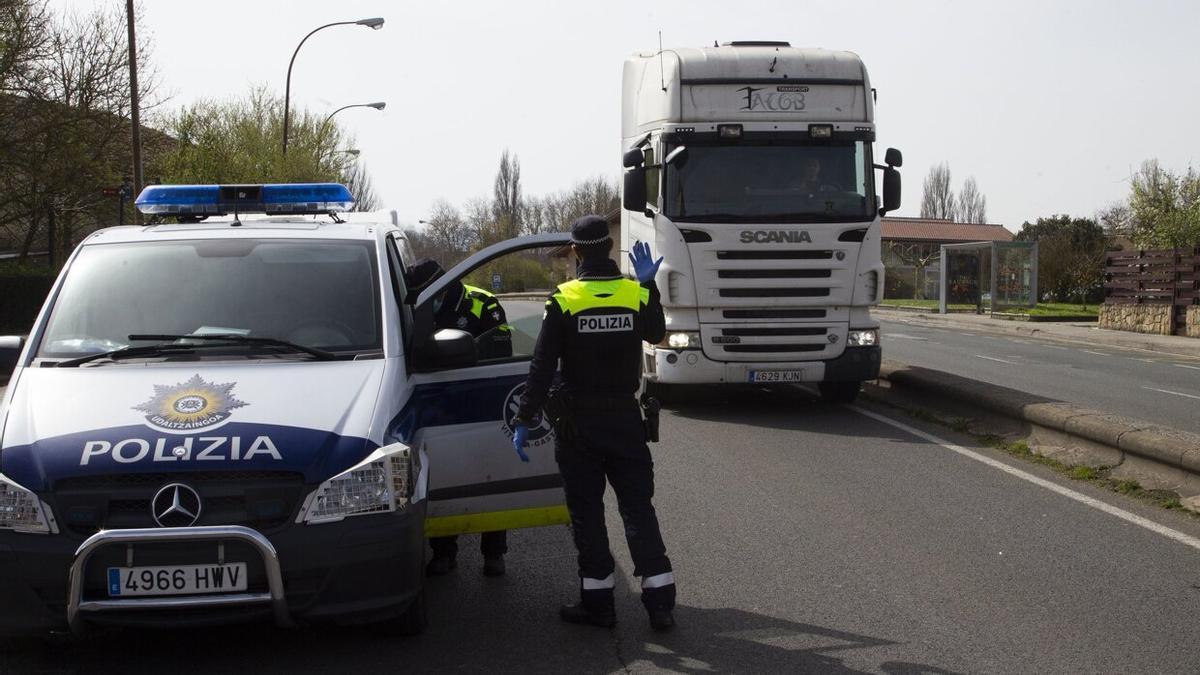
(591, 402)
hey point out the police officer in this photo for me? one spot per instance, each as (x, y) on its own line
(595, 325)
(480, 314)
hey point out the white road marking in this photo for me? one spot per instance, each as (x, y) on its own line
(1185, 539)
(992, 358)
(1148, 360)
(1096, 353)
(1181, 365)
(1177, 393)
(1055, 347)
(904, 336)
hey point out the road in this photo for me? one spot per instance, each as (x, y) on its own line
(806, 538)
(1157, 387)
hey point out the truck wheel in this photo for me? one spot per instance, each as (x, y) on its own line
(839, 392)
(411, 622)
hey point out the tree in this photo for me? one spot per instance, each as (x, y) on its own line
(1116, 219)
(66, 103)
(1070, 255)
(937, 200)
(1165, 207)
(972, 204)
(240, 141)
(506, 197)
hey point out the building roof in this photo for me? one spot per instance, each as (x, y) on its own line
(929, 229)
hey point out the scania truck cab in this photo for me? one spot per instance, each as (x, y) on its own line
(749, 168)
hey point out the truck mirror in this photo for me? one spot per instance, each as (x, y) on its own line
(634, 194)
(10, 350)
(633, 158)
(448, 348)
(893, 158)
(891, 190)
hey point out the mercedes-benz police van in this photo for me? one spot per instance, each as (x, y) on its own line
(222, 417)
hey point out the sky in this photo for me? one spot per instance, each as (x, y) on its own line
(1049, 104)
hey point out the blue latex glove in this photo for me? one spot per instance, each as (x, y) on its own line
(643, 267)
(520, 436)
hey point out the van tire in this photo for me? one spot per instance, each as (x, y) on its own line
(412, 622)
(839, 392)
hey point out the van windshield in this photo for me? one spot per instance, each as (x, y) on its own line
(771, 181)
(320, 294)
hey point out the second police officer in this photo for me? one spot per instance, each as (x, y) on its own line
(595, 326)
(480, 314)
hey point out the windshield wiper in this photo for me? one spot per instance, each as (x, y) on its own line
(319, 354)
(128, 353)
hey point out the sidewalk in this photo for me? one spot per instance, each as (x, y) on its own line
(1067, 332)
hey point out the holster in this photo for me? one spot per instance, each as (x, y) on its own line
(559, 410)
(650, 409)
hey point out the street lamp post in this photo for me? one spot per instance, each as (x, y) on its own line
(374, 23)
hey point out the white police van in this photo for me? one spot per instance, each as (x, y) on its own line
(221, 418)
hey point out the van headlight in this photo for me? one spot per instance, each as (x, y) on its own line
(862, 338)
(22, 511)
(381, 483)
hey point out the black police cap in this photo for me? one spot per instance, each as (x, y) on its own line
(591, 229)
(422, 273)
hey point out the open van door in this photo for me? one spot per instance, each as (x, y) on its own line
(460, 410)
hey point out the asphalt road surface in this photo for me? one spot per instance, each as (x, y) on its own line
(806, 538)
(1161, 388)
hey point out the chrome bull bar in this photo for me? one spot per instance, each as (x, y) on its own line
(76, 605)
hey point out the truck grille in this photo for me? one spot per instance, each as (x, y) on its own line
(772, 341)
(263, 500)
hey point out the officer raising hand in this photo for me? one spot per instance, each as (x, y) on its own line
(595, 326)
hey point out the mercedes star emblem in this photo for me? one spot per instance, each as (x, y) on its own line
(175, 505)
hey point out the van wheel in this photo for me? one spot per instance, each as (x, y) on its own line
(412, 622)
(839, 392)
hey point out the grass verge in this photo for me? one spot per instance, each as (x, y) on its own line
(1099, 476)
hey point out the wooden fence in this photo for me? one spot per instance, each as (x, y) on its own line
(1167, 276)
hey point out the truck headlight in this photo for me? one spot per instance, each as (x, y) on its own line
(681, 341)
(863, 338)
(381, 483)
(22, 511)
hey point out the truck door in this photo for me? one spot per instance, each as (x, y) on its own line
(460, 409)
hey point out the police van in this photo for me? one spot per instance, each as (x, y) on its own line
(239, 413)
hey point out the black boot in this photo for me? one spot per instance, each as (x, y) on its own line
(661, 620)
(582, 614)
(595, 607)
(440, 565)
(493, 566)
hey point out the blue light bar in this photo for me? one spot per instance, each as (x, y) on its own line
(213, 200)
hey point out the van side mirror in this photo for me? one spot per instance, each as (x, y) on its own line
(891, 190)
(633, 158)
(448, 348)
(893, 158)
(633, 197)
(10, 351)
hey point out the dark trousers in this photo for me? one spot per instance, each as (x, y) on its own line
(490, 543)
(610, 446)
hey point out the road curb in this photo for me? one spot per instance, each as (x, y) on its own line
(1168, 448)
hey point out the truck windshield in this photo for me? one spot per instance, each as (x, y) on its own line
(770, 181)
(319, 294)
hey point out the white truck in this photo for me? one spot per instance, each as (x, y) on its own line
(749, 167)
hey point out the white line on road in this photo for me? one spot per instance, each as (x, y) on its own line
(992, 358)
(904, 336)
(1186, 540)
(1148, 360)
(1177, 393)
(1054, 347)
(1181, 365)
(1096, 353)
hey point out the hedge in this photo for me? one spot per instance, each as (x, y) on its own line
(22, 292)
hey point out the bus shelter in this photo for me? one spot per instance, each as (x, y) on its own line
(990, 275)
